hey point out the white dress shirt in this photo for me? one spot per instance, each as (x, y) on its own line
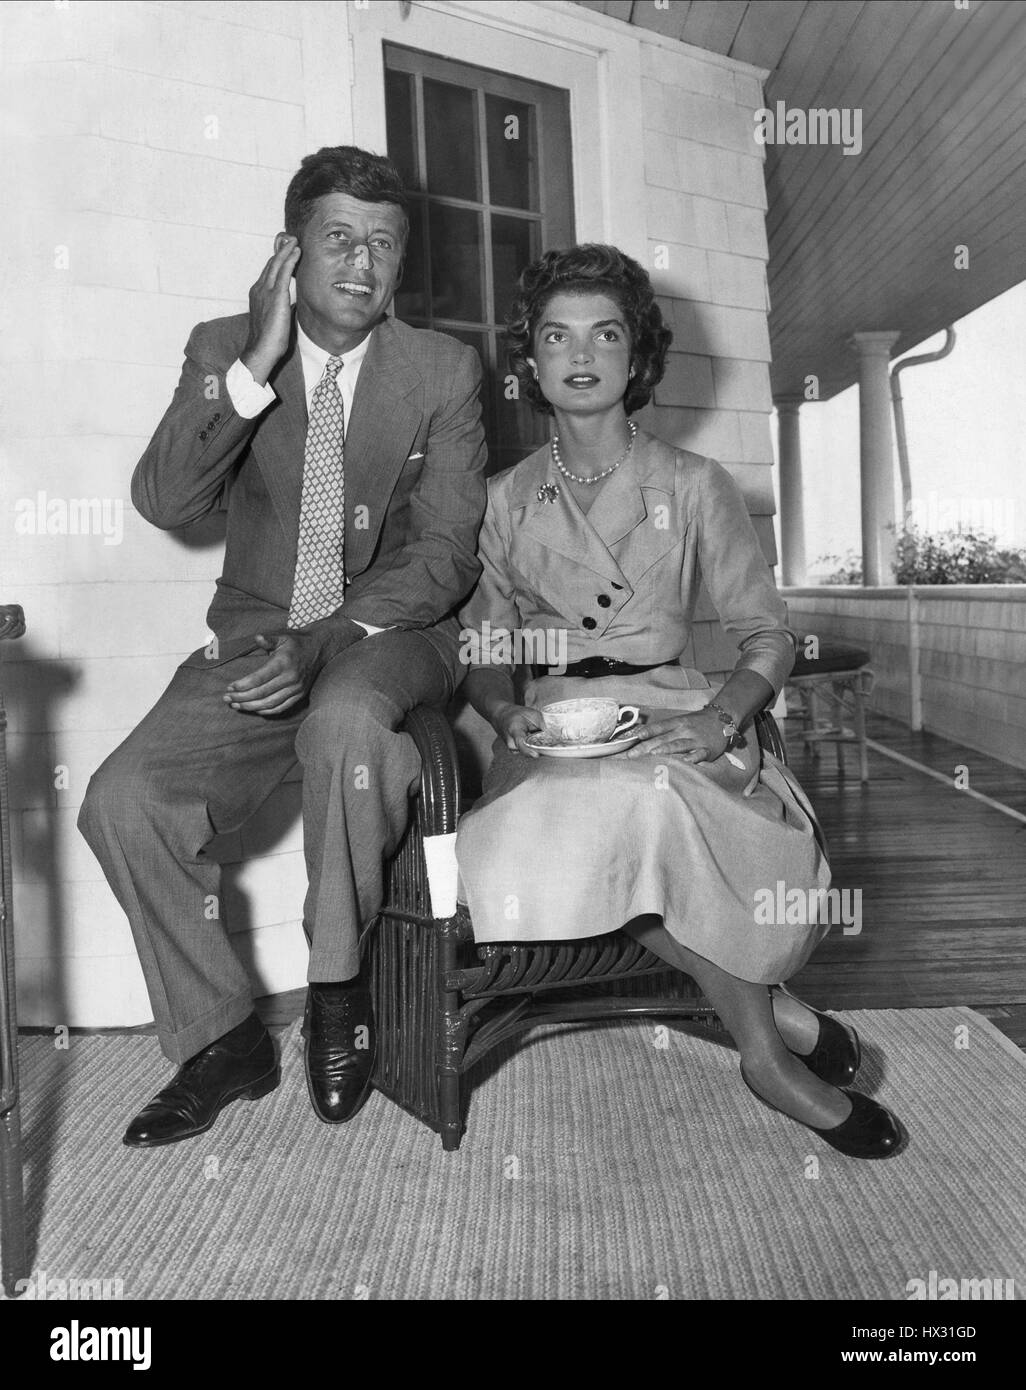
(250, 398)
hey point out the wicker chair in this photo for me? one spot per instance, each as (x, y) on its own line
(443, 1003)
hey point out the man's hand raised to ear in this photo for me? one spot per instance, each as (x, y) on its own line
(270, 312)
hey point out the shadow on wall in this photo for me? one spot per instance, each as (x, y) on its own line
(35, 688)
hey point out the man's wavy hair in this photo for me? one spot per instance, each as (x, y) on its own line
(590, 269)
(341, 169)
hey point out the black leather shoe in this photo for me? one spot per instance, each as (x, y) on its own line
(870, 1131)
(241, 1065)
(337, 1024)
(837, 1056)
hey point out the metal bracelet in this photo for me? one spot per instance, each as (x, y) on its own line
(730, 727)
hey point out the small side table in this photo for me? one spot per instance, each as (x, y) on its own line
(840, 676)
(13, 1242)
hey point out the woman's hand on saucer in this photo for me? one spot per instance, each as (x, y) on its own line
(696, 738)
(514, 724)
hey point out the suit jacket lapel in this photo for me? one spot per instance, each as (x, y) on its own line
(279, 444)
(382, 426)
(380, 429)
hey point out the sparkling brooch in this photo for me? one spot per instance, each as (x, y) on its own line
(548, 492)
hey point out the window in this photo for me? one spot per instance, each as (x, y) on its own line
(486, 158)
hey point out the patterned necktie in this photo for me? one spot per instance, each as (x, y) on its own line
(319, 585)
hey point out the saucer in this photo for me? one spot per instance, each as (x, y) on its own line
(543, 743)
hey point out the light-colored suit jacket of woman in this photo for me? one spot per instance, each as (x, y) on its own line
(622, 581)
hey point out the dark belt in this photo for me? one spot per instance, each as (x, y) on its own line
(593, 666)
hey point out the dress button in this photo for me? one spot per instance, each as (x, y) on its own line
(589, 623)
(203, 435)
(604, 600)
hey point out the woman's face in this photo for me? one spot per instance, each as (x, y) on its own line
(582, 353)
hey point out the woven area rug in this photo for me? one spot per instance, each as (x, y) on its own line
(623, 1161)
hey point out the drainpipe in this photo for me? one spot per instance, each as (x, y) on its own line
(899, 416)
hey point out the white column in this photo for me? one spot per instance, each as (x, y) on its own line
(876, 455)
(792, 518)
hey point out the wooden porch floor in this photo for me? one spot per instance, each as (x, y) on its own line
(943, 880)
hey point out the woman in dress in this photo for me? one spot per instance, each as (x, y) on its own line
(599, 541)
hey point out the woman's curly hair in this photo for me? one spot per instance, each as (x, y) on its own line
(590, 269)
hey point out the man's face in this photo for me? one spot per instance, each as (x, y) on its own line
(352, 256)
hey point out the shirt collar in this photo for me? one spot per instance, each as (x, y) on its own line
(315, 358)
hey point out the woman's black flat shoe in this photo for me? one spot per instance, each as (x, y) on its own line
(837, 1056)
(870, 1131)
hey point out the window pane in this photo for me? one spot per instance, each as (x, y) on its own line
(456, 263)
(512, 168)
(478, 341)
(450, 128)
(399, 123)
(412, 299)
(514, 245)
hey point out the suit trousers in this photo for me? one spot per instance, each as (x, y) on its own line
(195, 768)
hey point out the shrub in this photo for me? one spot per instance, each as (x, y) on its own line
(848, 568)
(946, 557)
(955, 557)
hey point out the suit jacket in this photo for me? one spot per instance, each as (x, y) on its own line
(623, 580)
(415, 491)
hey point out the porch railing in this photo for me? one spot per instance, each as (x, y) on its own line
(950, 659)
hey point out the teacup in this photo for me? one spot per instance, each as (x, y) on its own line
(587, 720)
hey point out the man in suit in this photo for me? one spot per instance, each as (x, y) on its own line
(349, 452)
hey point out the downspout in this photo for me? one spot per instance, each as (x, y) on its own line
(915, 689)
(899, 416)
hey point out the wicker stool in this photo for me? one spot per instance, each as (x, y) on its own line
(12, 1195)
(840, 676)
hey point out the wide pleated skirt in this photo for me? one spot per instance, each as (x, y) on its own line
(563, 849)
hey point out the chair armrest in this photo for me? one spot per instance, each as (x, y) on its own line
(767, 731)
(438, 805)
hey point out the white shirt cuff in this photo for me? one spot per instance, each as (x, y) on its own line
(369, 628)
(247, 395)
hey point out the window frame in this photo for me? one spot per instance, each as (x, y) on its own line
(552, 217)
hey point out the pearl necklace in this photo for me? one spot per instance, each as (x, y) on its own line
(557, 460)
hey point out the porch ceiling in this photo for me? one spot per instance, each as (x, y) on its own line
(868, 241)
